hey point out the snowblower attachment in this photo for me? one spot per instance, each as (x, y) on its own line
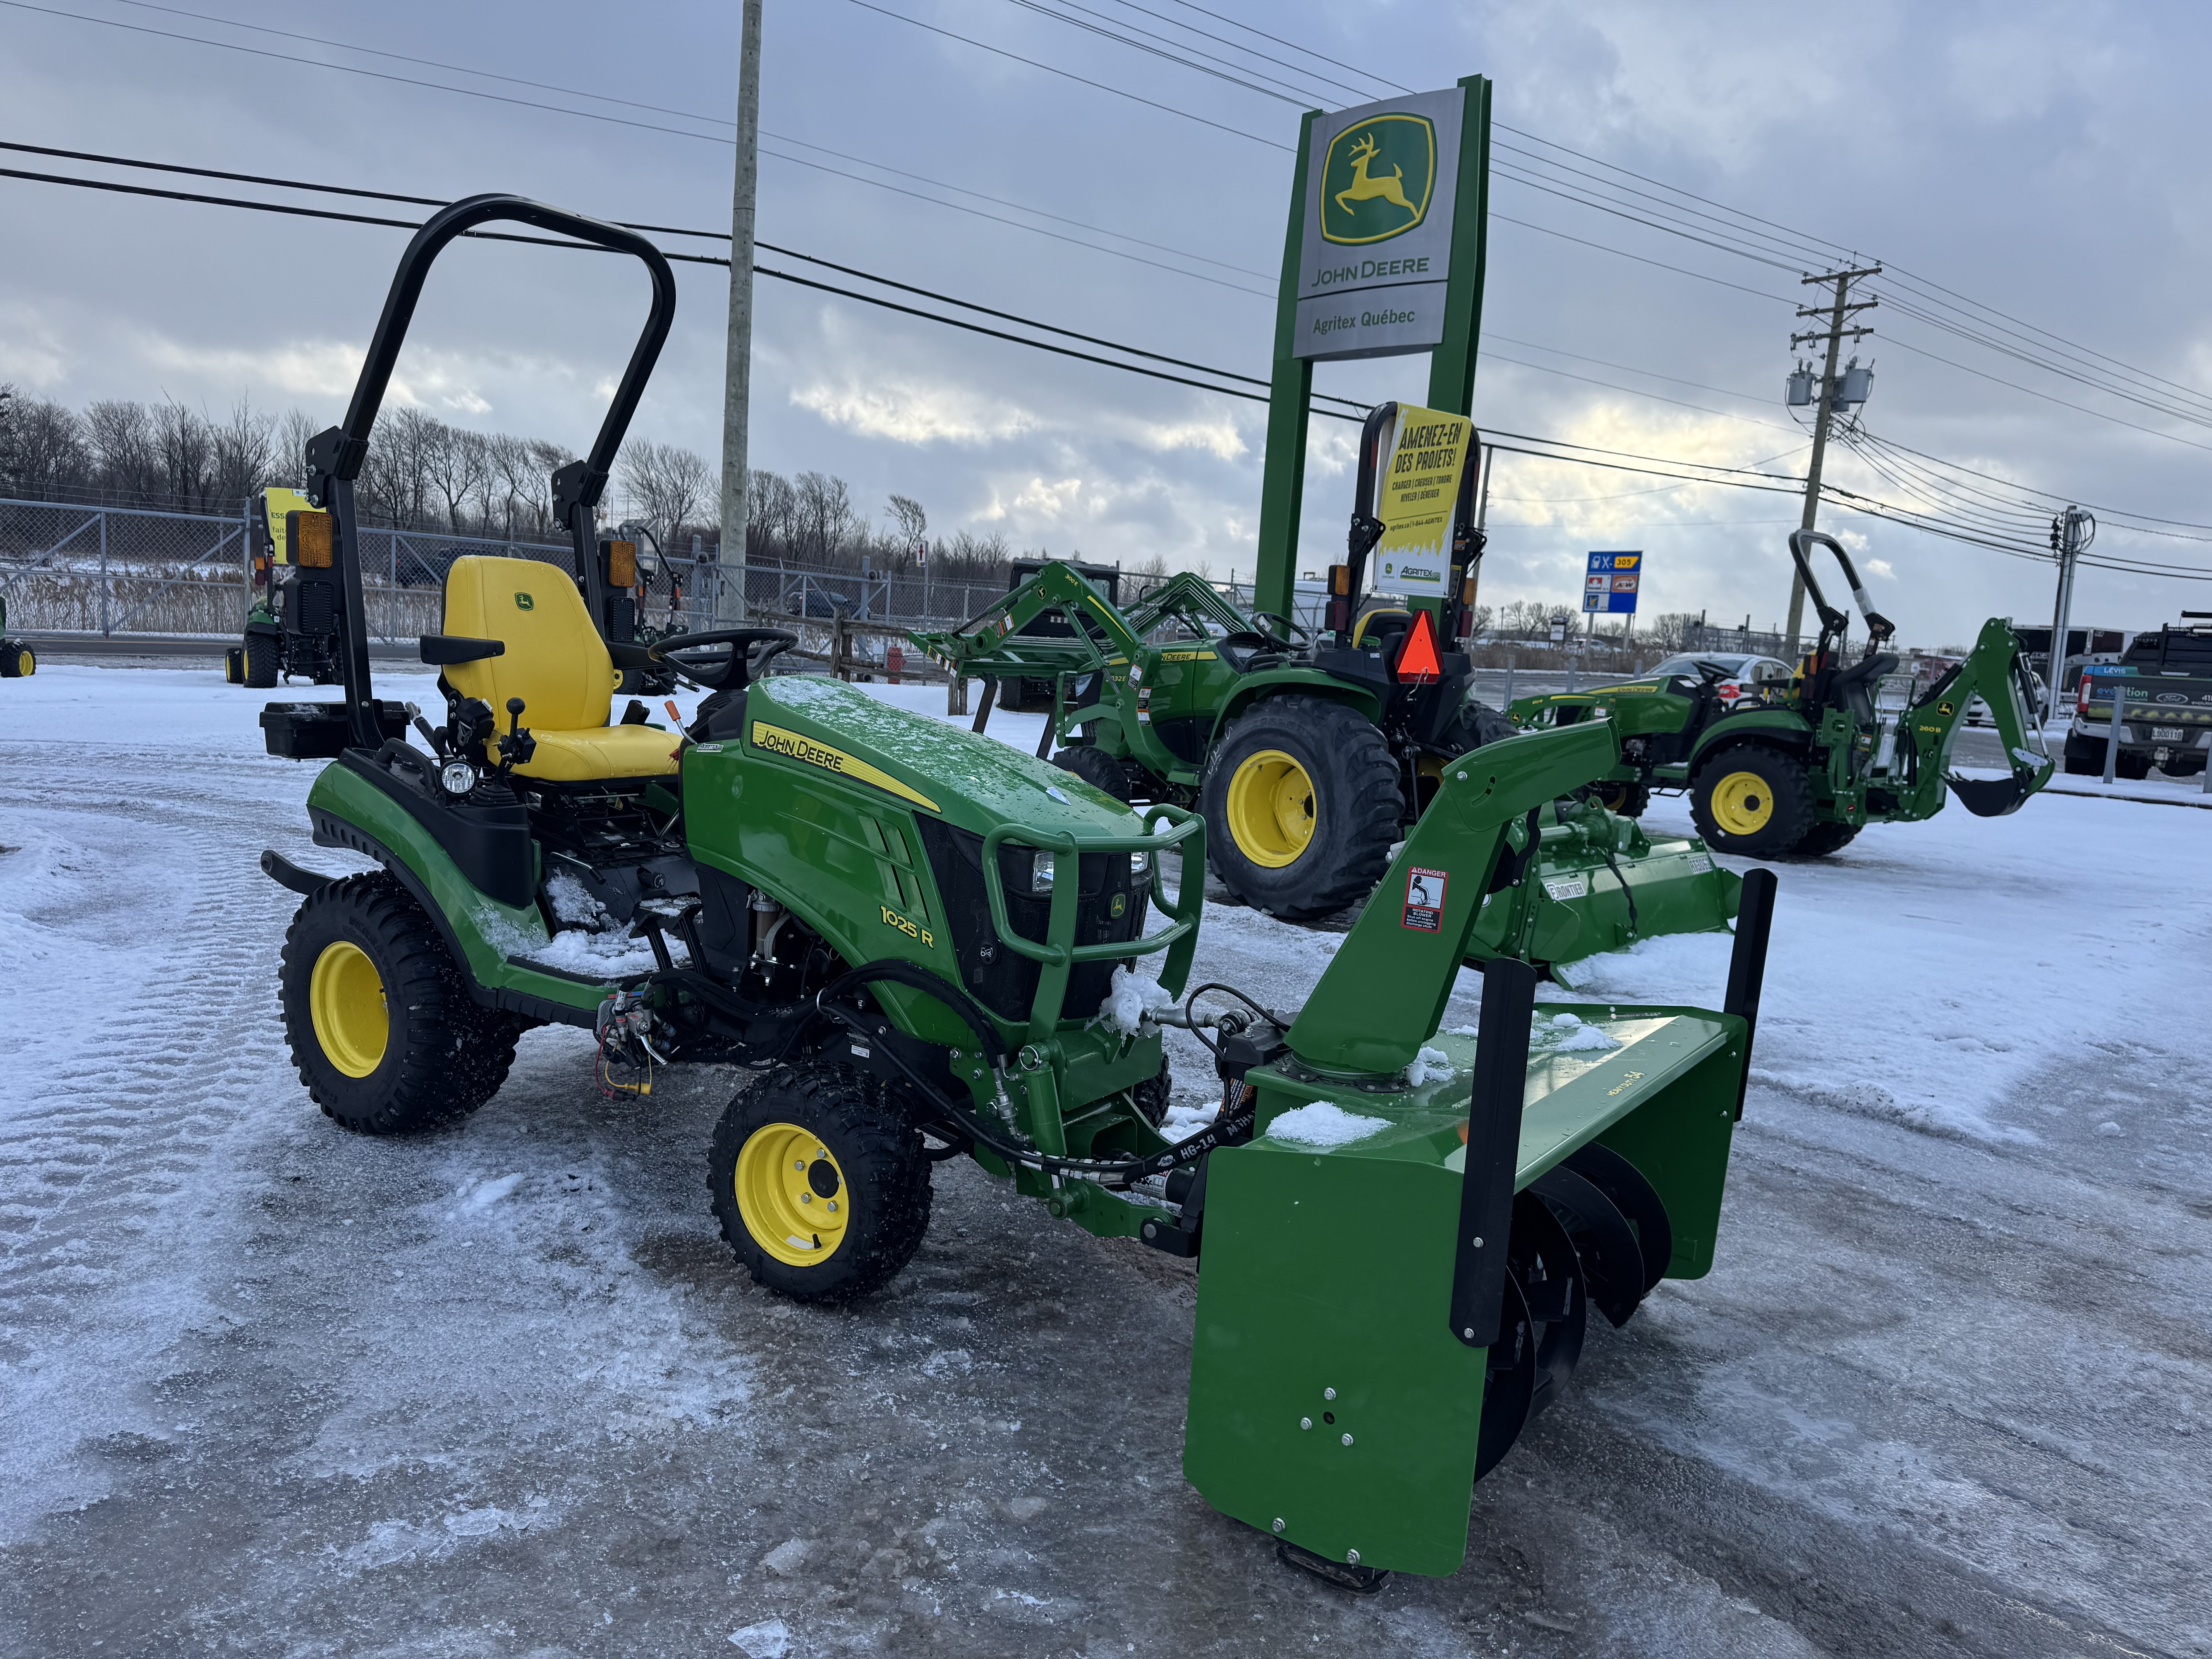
(1398, 1265)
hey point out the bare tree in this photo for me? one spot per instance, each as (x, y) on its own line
(668, 486)
(771, 514)
(244, 449)
(454, 463)
(825, 519)
(292, 432)
(913, 522)
(43, 451)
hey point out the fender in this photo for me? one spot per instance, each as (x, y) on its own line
(348, 811)
(1779, 727)
(1271, 682)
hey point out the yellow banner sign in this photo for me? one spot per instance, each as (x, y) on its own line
(1415, 501)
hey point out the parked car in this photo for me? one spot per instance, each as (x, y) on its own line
(1742, 673)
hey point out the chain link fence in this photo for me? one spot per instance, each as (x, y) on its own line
(118, 572)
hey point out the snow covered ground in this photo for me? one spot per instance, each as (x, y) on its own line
(267, 1386)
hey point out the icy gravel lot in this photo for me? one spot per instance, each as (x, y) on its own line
(269, 1387)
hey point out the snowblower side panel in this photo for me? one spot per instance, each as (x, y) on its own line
(1331, 1269)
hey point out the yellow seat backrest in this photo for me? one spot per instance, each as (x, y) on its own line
(555, 661)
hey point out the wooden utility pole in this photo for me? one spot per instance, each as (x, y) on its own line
(738, 375)
(1835, 334)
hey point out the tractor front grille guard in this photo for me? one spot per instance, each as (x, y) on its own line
(1058, 953)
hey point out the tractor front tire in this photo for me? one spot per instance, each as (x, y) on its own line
(1152, 1095)
(262, 661)
(820, 1184)
(1823, 839)
(1102, 771)
(1752, 800)
(1302, 805)
(381, 1026)
(1478, 724)
(17, 660)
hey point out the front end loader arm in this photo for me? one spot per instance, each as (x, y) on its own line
(1996, 672)
(994, 644)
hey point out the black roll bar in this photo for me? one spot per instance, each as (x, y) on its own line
(1832, 621)
(334, 458)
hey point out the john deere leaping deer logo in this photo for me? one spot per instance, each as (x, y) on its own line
(1376, 181)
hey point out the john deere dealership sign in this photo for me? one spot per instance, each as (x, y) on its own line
(1375, 249)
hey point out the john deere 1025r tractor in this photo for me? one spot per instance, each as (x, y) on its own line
(918, 942)
(1803, 767)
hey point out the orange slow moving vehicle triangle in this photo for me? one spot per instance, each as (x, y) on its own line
(1417, 658)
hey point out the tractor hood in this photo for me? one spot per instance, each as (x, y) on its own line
(974, 782)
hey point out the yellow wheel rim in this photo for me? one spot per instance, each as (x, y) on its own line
(345, 998)
(1742, 803)
(1271, 808)
(792, 1195)
(26, 665)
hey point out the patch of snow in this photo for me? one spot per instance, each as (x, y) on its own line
(1185, 1118)
(1429, 1066)
(1130, 999)
(574, 903)
(485, 1193)
(1567, 1034)
(786, 1560)
(769, 1639)
(1322, 1123)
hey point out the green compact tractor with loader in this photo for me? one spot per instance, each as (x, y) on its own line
(1310, 758)
(1803, 767)
(922, 943)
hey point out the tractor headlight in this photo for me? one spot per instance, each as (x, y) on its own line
(458, 777)
(1040, 874)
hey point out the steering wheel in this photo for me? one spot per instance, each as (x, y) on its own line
(741, 642)
(1291, 635)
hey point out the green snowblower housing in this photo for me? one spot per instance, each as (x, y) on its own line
(918, 943)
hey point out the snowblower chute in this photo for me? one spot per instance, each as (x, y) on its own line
(1394, 1284)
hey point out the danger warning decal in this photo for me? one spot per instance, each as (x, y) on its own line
(1424, 899)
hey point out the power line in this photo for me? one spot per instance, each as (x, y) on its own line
(1510, 442)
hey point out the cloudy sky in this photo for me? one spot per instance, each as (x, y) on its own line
(2029, 174)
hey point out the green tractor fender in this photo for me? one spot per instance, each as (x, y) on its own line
(1274, 682)
(1778, 728)
(483, 932)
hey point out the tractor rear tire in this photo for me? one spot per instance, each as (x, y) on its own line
(1102, 771)
(820, 1181)
(1752, 800)
(1302, 805)
(382, 1028)
(261, 662)
(1478, 724)
(1823, 839)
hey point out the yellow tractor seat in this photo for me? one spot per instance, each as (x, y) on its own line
(555, 662)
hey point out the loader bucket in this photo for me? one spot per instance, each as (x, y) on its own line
(1395, 1283)
(1601, 885)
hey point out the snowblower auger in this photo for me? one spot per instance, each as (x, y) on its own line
(1394, 1284)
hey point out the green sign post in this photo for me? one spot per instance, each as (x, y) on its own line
(1384, 255)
